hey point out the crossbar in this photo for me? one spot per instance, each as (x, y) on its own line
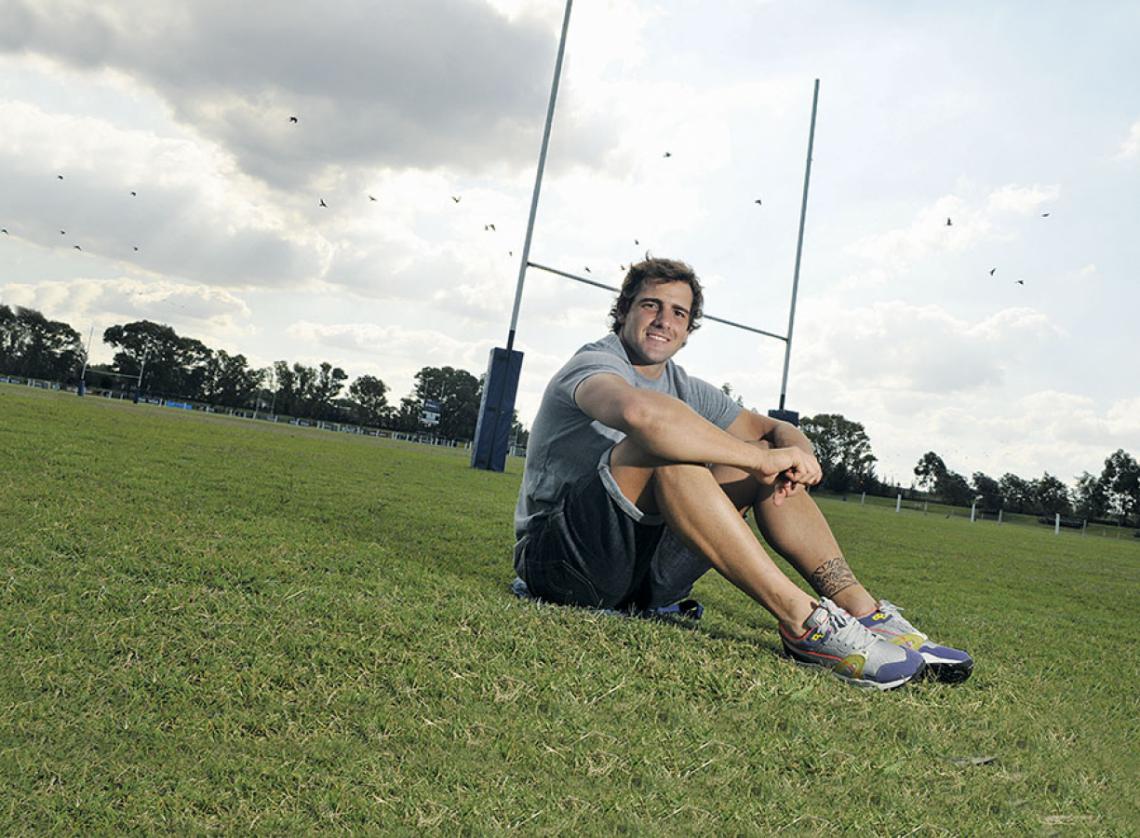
(615, 289)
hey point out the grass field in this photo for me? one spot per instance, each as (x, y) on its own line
(215, 625)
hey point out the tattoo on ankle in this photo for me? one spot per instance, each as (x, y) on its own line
(831, 577)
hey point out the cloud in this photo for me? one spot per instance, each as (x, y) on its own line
(972, 222)
(82, 300)
(215, 316)
(192, 215)
(923, 349)
(424, 84)
(1131, 146)
(1020, 200)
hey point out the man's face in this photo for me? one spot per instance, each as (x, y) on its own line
(657, 324)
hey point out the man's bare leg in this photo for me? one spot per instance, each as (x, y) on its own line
(797, 530)
(693, 506)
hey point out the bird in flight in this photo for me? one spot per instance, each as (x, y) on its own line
(134, 194)
(1021, 282)
(949, 223)
(635, 241)
(490, 227)
(621, 267)
(757, 201)
(4, 230)
(668, 154)
(77, 247)
(293, 119)
(457, 198)
(59, 177)
(323, 204)
(588, 270)
(1044, 215)
(136, 249)
(63, 232)
(992, 271)
(371, 197)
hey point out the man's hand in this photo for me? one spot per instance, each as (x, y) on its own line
(786, 469)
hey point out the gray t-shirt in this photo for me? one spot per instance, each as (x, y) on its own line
(565, 444)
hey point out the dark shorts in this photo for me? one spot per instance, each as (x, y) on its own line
(596, 549)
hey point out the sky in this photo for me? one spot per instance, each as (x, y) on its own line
(1004, 341)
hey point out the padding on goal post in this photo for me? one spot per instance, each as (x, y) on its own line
(496, 410)
(791, 416)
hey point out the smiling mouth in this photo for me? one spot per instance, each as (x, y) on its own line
(657, 337)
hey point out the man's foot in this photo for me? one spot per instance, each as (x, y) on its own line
(952, 666)
(687, 609)
(836, 641)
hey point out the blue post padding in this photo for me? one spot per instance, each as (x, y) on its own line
(497, 408)
(792, 416)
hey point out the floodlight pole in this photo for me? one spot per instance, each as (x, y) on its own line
(799, 250)
(538, 178)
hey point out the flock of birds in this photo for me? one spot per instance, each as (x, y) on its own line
(950, 223)
(135, 247)
(487, 227)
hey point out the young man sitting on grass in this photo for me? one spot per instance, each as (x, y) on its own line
(637, 481)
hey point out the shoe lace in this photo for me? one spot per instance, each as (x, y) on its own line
(848, 633)
(894, 611)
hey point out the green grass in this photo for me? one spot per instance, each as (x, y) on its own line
(986, 519)
(210, 624)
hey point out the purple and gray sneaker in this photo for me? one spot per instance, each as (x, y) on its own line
(836, 641)
(952, 666)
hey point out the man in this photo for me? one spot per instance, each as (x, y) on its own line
(638, 479)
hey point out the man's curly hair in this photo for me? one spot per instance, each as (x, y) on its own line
(652, 271)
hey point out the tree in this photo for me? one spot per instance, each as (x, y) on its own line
(369, 397)
(328, 384)
(1017, 493)
(953, 489)
(843, 450)
(1121, 478)
(407, 416)
(8, 339)
(726, 388)
(1090, 497)
(519, 434)
(174, 365)
(1051, 496)
(33, 346)
(458, 393)
(929, 470)
(989, 489)
(227, 380)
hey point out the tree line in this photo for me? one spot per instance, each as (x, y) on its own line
(173, 366)
(844, 451)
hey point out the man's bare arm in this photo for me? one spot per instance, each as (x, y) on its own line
(750, 425)
(671, 430)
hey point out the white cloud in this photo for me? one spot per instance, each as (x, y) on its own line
(1020, 200)
(192, 215)
(971, 223)
(1131, 146)
(407, 84)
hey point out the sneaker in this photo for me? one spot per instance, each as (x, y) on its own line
(835, 640)
(952, 666)
(519, 589)
(687, 609)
